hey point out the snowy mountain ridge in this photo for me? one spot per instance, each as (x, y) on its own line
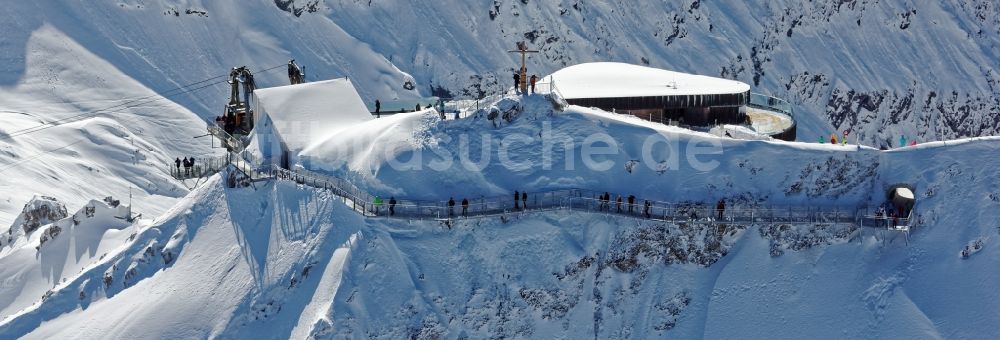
(291, 261)
(99, 98)
(938, 84)
(879, 68)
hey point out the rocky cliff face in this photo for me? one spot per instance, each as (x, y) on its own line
(878, 68)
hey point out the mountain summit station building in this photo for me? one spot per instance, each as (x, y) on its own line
(672, 97)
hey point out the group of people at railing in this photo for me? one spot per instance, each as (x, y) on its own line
(579, 199)
(520, 203)
(189, 167)
(628, 205)
(532, 81)
(631, 204)
(892, 217)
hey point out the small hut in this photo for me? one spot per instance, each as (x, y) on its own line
(902, 198)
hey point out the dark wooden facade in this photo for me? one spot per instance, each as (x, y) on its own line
(696, 110)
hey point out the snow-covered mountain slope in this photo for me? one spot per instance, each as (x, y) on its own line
(54, 250)
(289, 261)
(76, 128)
(880, 68)
(100, 71)
(572, 276)
(219, 260)
(281, 260)
(545, 149)
(163, 44)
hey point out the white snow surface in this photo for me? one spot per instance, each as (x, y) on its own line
(904, 193)
(75, 156)
(384, 156)
(221, 262)
(217, 264)
(282, 260)
(30, 267)
(304, 114)
(615, 80)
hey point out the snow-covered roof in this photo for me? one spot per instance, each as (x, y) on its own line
(904, 193)
(307, 113)
(614, 80)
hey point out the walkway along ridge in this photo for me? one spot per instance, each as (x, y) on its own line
(583, 200)
(576, 199)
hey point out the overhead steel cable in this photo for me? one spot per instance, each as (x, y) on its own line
(151, 98)
(129, 104)
(183, 89)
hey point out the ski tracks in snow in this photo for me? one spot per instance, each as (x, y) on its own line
(315, 315)
(880, 297)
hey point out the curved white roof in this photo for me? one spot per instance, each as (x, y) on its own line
(614, 80)
(904, 193)
(306, 113)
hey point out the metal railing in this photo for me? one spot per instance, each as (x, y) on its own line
(563, 199)
(870, 217)
(668, 211)
(228, 141)
(765, 102)
(207, 166)
(203, 167)
(550, 89)
(469, 107)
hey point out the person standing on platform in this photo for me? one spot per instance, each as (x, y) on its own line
(392, 206)
(465, 207)
(517, 199)
(378, 109)
(377, 203)
(524, 199)
(451, 206)
(517, 83)
(534, 79)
